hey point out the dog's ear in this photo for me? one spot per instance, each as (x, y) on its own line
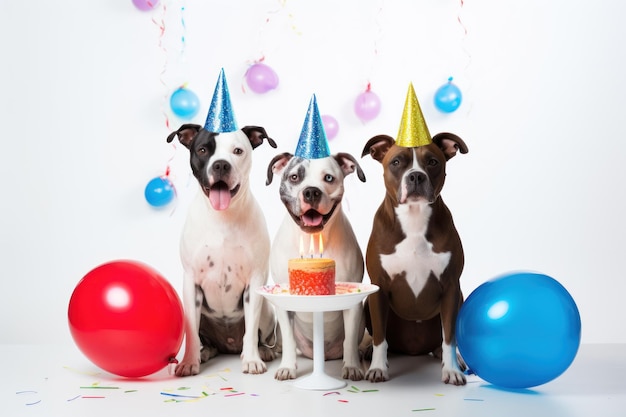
(450, 144)
(278, 163)
(377, 147)
(185, 134)
(348, 165)
(256, 134)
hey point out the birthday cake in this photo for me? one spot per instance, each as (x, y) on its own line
(311, 276)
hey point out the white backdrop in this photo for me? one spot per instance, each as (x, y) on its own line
(84, 89)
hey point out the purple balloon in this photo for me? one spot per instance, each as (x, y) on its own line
(331, 126)
(367, 106)
(145, 5)
(261, 78)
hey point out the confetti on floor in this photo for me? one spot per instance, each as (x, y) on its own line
(29, 392)
(424, 409)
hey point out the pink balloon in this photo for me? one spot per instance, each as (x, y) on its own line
(331, 126)
(367, 106)
(261, 78)
(145, 5)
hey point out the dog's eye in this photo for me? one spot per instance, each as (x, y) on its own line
(329, 178)
(238, 151)
(201, 151)
(433, 162)
(395, 162)
(293, 178)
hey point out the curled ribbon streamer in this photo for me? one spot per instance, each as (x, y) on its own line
(184, 26)
(458, 18)
(161, 26)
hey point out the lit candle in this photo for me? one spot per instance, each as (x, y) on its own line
(311, 276)
(311, 246)
(321, 245)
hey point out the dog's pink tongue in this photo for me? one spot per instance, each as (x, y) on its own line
(219, 196)
(312, 218)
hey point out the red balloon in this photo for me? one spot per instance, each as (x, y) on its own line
(126, 318)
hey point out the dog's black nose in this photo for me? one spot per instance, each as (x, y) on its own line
(221, 168)
(312, 195)
(416, 178)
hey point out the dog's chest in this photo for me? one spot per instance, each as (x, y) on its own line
(219, 255)
(414, 257)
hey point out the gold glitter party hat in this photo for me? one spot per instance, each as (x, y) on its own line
(413, 130)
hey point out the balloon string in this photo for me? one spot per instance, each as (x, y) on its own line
(377, 37)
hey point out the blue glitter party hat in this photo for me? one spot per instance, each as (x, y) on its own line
(313, 143)
(221, 118)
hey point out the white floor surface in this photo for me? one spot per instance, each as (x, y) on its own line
(60, 381)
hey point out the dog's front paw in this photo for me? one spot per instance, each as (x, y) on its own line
(452, 376)
(254, 367)
(352, 373)
(187, 368)
(283, 374)
(266, 353)
(377, 375)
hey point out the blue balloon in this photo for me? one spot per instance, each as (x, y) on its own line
(159, 192)
(184, 103)
(448, 97)
(519, 330)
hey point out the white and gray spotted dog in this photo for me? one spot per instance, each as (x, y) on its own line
(312, 192)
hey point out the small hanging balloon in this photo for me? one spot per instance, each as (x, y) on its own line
(448, 97)
(367, 105)
(261, 78)
(184, 103)
(145, 5)
(159, 192)
(331, 126)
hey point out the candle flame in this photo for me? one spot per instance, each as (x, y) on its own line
(311, 246)
(301, 247)
(321, 245)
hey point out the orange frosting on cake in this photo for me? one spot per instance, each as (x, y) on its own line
(312, 276)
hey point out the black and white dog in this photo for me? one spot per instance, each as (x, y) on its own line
(224, 250)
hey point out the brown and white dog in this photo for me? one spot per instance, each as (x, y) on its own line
(224, 249)
(312, 191)
(415, 256)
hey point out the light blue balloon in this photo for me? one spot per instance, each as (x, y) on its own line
(184, 103)
(519, 330)
(159, 192)
(448, 97)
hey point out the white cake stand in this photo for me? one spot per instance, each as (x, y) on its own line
(318, 304)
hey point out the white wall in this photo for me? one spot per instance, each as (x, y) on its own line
(83, 96)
